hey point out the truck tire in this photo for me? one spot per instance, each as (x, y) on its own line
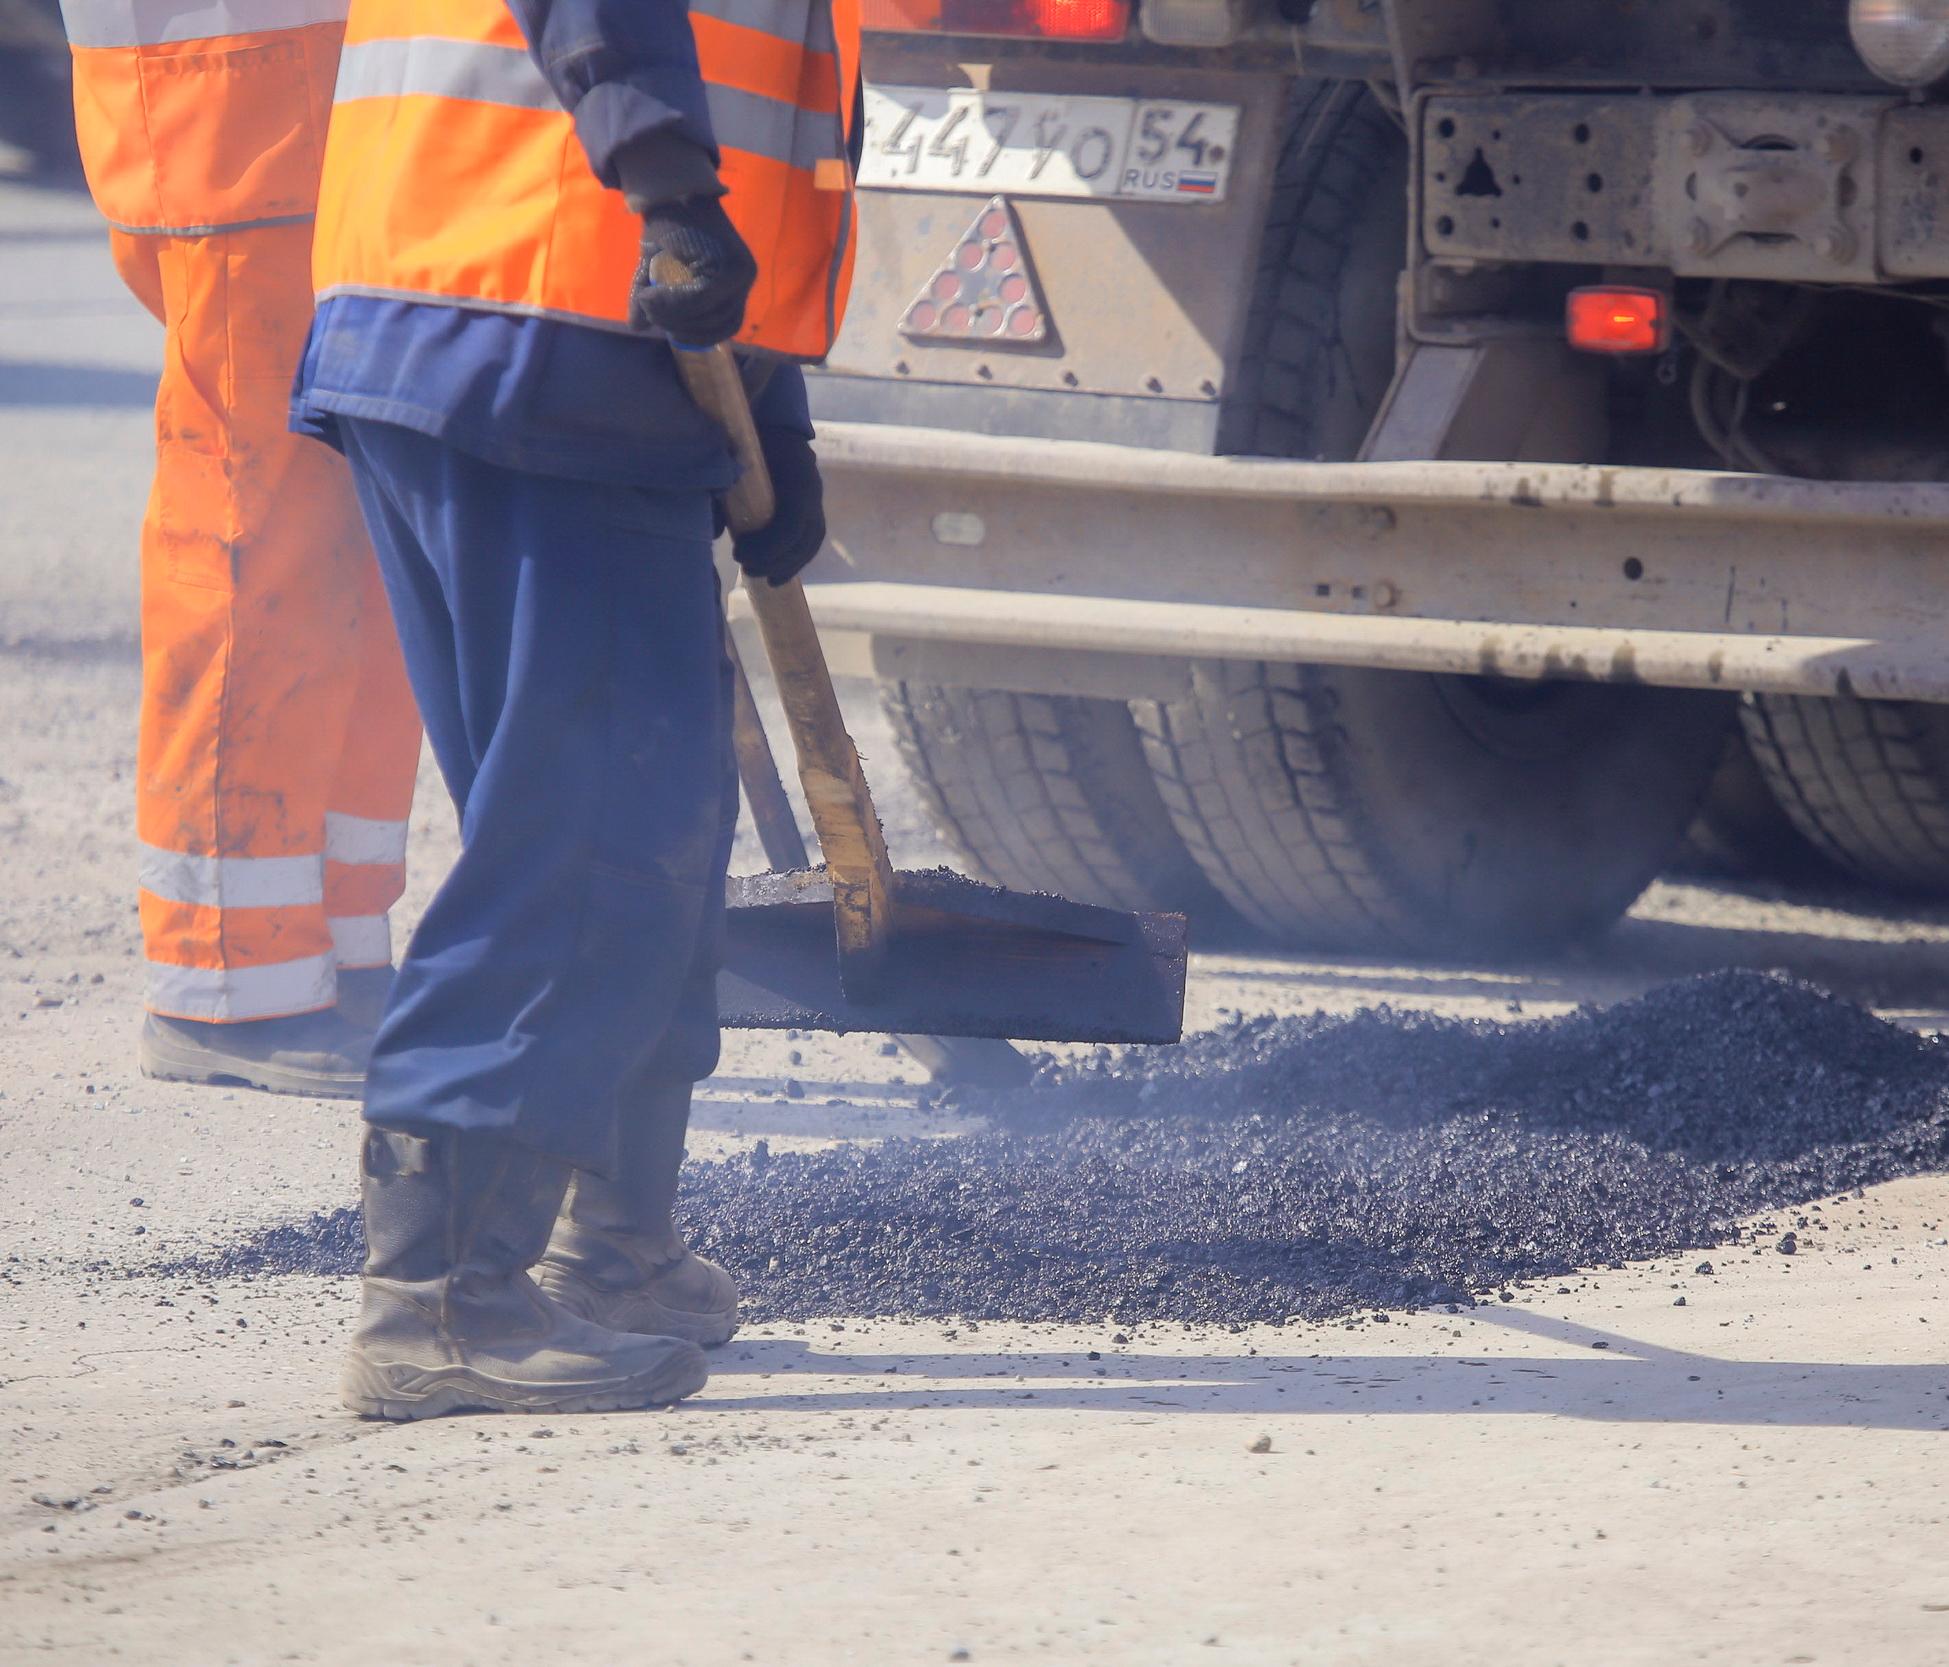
(1742, 833)
(1046, 793)
(1866, 781)
(1352, 809)
(1357, 809)
(1319, 340)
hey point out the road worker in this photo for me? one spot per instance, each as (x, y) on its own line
(495, 362)
(278, 740)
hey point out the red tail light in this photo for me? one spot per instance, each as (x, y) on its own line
(1618, 321)
(1068, 20)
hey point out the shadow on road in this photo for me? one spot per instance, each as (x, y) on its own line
(1617, 1380)
(1841, 942)
(52, 384)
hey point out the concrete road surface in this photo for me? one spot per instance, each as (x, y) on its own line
(1588, 1474)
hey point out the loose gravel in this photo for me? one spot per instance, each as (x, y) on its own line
(1314, 1167)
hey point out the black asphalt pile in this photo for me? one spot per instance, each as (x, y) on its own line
(1316, 1166)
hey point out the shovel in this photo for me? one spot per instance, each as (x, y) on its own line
(858, 945)
(977, 1061)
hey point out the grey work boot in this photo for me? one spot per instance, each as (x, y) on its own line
(322, 1055)
(616, 1256)
(450, 1320)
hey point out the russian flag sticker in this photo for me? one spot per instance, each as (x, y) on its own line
(1197, 185)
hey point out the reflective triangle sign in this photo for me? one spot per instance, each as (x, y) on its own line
(984, 291)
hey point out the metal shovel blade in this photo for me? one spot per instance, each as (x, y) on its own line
(967, 959)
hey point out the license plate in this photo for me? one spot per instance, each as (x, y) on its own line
(1047, 145)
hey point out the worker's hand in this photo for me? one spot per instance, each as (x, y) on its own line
(792, 537)
(710, 308)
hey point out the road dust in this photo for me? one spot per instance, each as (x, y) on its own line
(1318, 1166)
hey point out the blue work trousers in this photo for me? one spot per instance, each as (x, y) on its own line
(566, 643)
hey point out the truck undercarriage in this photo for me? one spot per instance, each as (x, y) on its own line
(1228, 510)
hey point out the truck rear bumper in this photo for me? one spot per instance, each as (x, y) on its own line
(1075, 567)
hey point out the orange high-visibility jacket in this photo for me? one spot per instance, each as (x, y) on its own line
(197, 116)
(453, 172)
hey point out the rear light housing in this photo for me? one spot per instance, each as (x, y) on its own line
(1905, 42)
(1619, 321)
(1062, 20)
(1201, 23)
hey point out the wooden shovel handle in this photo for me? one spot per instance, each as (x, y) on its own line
(712, 379)
(835, 786)
(764, 793)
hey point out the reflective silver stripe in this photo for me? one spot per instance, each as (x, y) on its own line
(743, 121)
(217, 229)
(157, 22)
(232, 882)
(802, 22)
(442, 69)
(233, 993)
(772, 128)
(361, 839)
(362, 940)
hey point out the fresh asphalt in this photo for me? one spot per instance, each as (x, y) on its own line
(1310, 1168)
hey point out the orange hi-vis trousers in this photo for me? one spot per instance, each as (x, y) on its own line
(278, 738)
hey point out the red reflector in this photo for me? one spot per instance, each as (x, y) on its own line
(1070, 20)
(1079, 20)
(1619, 321)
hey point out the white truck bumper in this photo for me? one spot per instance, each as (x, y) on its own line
(1074, 567)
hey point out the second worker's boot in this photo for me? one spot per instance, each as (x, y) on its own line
(450, 1320)
(616, 1256)
(319, 1055)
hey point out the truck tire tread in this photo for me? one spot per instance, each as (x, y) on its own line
(1274, 836)
(1325, 177)
(1044, 793)
(1863, 780)
(1239, 762)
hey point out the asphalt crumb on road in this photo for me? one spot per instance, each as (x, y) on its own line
(1315, 1166)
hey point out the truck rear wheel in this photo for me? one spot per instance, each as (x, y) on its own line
(1046, 793)
(1358, 809)
(1364, 809)
(1866, 781)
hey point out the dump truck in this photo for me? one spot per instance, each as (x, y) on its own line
(1379, 469)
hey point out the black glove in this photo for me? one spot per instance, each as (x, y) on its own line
(710, 308)
(797, 529)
